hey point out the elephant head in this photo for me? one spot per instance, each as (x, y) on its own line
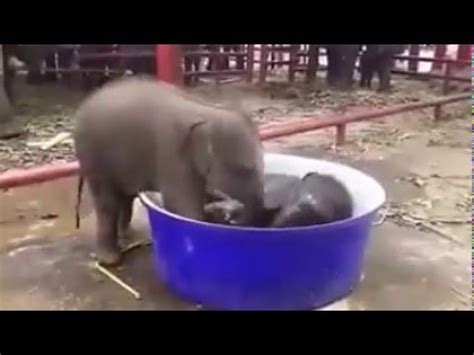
(228, 153)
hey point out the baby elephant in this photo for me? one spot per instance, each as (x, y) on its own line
(137, 134)
(315, 199)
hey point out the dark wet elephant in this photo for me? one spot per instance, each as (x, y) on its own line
(314, 199)
(138, 134)
(33, 56)
(341, 60)
(378, 58)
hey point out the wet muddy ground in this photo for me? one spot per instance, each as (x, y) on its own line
(418, 258)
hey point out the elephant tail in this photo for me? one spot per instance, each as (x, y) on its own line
(78, 201)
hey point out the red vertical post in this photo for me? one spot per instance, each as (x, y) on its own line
(464, 53)
(293, 62)
(263, 63)
(440, 52)
(250, 61)
(340, 134)
(168, 63)
(413, 63)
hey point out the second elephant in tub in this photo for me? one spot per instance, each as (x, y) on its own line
(138, 134)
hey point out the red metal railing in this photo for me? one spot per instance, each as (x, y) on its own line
(21, 177)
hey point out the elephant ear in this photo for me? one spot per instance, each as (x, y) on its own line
(200, 147)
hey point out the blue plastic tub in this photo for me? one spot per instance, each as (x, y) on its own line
(240, 268)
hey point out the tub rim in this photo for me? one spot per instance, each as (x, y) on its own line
(149, 204)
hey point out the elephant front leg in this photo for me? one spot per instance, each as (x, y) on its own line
(384, 73)
(346, 79)
(126, 213)
(370, 70)
(364, 70)
(332, 66)
(185, 196)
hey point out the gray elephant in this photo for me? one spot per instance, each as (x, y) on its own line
(378, 58)
(341, 64)
(138, 134)
(34, 56)
(5, 109)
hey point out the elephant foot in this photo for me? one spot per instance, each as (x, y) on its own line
(343, 87)
(108, 256)
(126, 236)
(385, 90)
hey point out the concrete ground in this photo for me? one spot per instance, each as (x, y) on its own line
(419, 258)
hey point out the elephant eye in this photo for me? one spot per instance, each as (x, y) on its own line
(244, 170)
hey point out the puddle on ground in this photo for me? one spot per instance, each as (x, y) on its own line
(38, 211)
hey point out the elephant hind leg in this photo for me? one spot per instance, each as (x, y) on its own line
(364, 70)
(126, 213)
(107, 207)
(370, 75)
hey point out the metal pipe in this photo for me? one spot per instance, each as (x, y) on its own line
(447, 74)
(262, 77)
(434, 60)
(216, 72)
(413, 63)
(440, 52)
(431, 75)
(250, 62)
(215, 54)
(83, 70)
(21, 177)
(243, 54)
(113, 55)
(310, 124)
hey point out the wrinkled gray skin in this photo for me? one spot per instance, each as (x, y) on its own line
(137, 134)
(378, 58)
(315, 199)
